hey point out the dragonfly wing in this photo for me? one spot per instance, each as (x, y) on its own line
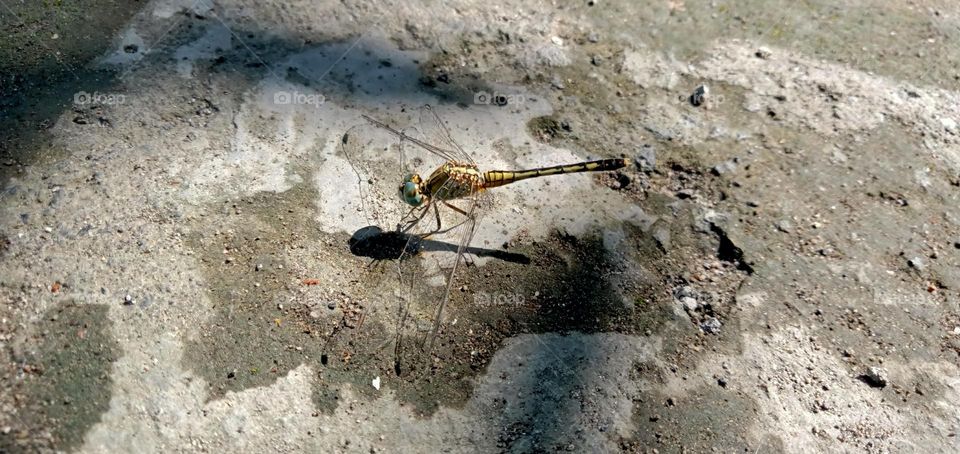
(373, 159)
(351, 148)
(436, 132)
(464, 234)
(423, 148)
(416, 138)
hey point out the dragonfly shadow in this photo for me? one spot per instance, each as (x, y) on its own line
(371, 241)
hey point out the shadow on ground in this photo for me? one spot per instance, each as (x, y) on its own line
(45, 61)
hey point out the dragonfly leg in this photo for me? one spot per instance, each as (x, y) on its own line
(438, 231)
(409, 213)
(414, 222)
(400, 223)
(439, 225)
(437, 212)
(466, 255)
(454, 208)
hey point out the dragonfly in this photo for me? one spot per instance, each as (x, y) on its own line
(458, 185)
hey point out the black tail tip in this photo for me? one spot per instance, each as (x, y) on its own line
(615, 164)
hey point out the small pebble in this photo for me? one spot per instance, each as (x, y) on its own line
(725, 167)
(662, 237)
(876, 377)
(686, 291)
(916, 263)
(711, 326)
(785, 226)
(646, 159)
(699, 95)
(949, 124)
(127, 300)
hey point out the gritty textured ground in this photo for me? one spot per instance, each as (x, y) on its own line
(778, 271)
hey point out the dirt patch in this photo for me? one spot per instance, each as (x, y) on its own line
(64, 384)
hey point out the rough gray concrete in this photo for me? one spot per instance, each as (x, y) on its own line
(779, 272)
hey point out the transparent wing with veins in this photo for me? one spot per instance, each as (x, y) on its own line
(469, 209)
(432, 135)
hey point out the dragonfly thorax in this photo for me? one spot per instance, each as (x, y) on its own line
(452, 180)
(410, 190)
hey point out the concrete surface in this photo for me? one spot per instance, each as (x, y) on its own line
(780, 271)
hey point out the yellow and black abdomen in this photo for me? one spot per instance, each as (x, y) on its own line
(496, 178)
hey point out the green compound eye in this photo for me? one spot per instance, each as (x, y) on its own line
(410, 193)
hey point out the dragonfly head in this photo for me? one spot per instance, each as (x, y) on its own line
(410, 190)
